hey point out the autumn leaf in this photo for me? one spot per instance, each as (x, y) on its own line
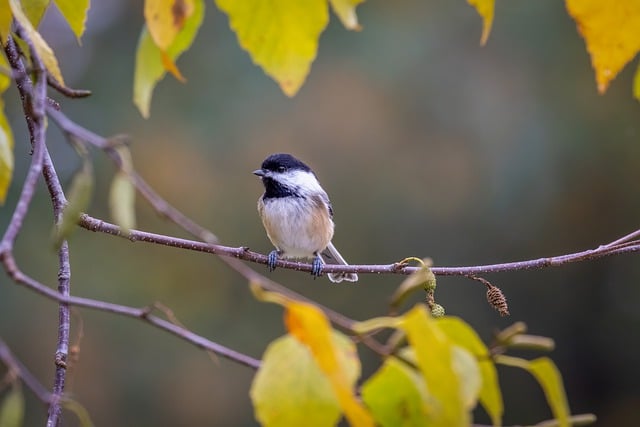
(346, 11)
(406, 405)
(290, 389)
(152, 62)
(310, 326)
(485, 9)
(5, 20)
(281, 36)
(41, 47)
(6, 138)
(75, 13)
(547, 375)
(464, 336)
(34, 10)
(610, 31)
(166, 18)
(434, 353)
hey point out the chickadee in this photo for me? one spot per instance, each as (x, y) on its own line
(297, 215)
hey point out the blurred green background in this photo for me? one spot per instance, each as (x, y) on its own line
(428, 145)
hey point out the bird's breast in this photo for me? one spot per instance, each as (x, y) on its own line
(297, 226)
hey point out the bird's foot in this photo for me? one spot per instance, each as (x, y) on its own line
(272, 259)
(316, 267)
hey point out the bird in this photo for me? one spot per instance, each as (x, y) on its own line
(297, 215)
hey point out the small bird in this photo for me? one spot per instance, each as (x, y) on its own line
(297, 215)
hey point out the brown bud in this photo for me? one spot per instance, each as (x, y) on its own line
(497, 300)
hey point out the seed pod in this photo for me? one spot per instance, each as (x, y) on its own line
(497, 300)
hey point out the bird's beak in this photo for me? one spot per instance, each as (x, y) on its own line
(259, 172)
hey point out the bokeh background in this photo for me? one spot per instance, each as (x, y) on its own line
(428, 145)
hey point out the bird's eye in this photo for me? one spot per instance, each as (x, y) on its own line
(282, 169)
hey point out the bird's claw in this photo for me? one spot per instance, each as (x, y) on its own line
(316, 267)
(272, 259)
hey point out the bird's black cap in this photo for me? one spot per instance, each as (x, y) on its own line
(281, 162)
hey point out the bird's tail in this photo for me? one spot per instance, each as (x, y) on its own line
(331, 256)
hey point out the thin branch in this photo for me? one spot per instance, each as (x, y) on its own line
(9, 264)
(37, 141)
(245, 254)
(22, 372)
(34, 109)
(64, 288)
(66, 91)
(158, 203)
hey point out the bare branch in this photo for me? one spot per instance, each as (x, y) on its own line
(66, 91)
(23, 373)
(245, 254)
(12, 269)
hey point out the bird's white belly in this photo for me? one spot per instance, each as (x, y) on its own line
(295, 228)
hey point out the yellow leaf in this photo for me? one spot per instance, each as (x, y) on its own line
(290, 390)
(547, 375)
(5, 20)
(166, 18)
(6, 138)
(610, 31)
(486, 10)
(41, 47)
(464, 336)
(396, 395)
(75, 13)
(636, 84)
(434, 356)
(310, 326)
(280, 35)
(369, 325)
(149, 68)
(6, 154)
(34, 10)
(346, 11)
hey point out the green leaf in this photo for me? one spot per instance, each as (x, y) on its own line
(291, 390)
(396, 395)
(122, 200)
(75, 13)
(434, 356)
(281, 36)
(122, 196)
(42, 48)
(464, 336)
(12, 409)
(546, 373)
(150, 68)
